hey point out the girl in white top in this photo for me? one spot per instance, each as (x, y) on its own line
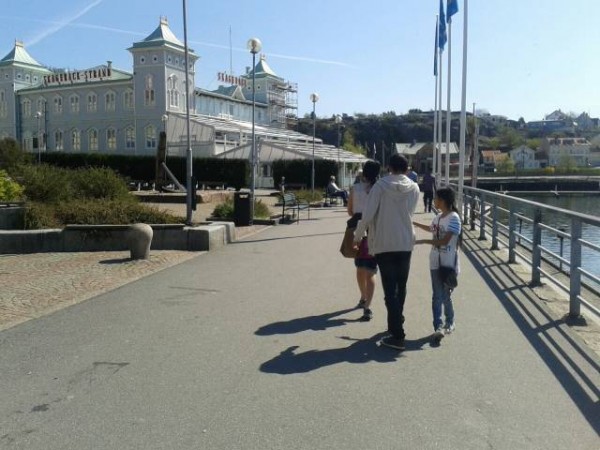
(366, 266)
(446, 228)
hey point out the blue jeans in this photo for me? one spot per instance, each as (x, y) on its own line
(440, 298)
(394, 268)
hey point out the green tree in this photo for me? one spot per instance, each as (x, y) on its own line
(10, 190)
(507, 165)
(566, 163)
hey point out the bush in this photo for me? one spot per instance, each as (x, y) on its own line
(10, 190)
(92, 212)
(11, 155)
(98, 183)
(225, 210)
(46, 184)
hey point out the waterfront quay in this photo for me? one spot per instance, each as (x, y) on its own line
(257, 345)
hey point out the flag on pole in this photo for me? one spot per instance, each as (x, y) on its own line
(435, 46)
(451, 9)
(442, 37)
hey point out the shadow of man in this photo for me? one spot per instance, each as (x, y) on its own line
(315, 323)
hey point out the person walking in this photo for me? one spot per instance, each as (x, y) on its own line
(428, 190)
(366, 266)
(387, 216)
(446, 228)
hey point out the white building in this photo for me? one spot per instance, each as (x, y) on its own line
(524, 158)
(107, 110)
(559, 149)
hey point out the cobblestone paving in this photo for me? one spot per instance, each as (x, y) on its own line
(36, 284)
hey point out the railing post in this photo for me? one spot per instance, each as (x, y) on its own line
(536, 251)
(465, 210)
(512, 223)
(482, 218)
(495, 224)
(575, 285)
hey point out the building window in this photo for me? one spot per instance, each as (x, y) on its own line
(41, 104)
(154, 58)
(150, 137)
(172, 92)
(111, 139)
(74, 100)
(93, 140)
(129, 138)
(58, 106)
(28, 141)
(75, 140)
(3, 104)
(26, 105)
(128, 99)
(92, 102)
(110, 101)
(58, 140)
(149, 99)
(142, 59)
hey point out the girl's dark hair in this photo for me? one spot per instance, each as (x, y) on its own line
(448, 196)
(371, 171)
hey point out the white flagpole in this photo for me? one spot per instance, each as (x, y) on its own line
(435, 111)
(463, 110)
(439, 167)
(448, 107)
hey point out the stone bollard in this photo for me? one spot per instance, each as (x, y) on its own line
(139, 238)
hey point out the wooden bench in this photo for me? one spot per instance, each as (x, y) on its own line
(290, 202)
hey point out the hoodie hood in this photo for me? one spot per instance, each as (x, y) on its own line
(396, 184)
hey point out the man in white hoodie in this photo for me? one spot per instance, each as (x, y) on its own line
(388, 218)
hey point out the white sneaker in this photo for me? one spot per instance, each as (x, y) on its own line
(449, 328)
(438, 334)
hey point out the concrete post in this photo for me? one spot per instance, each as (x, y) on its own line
(139, 238)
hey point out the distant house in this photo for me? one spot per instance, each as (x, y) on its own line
(578, 149)
(489, 160)
(556, 115)
(419, 154)
(524, 158)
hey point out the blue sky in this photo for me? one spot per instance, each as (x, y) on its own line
(526, 58)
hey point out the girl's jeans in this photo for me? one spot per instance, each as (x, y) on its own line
(439, 298)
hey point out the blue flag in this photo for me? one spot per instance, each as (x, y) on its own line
(451, 9)
(442, 37)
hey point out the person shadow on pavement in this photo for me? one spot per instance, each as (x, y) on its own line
(359, 352)
(315, 323)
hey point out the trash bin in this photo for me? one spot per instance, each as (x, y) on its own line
(242, 202)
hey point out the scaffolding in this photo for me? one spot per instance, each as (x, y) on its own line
(282, 97)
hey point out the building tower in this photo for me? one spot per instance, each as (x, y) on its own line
(159, 83)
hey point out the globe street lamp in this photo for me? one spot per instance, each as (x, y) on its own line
(314, 98)
(254, 46)
(38, 115)
(189, 156)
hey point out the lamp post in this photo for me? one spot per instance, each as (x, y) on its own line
(314, 98)
(38, 115)
(338, 122)
(254, 46)
(189, 159)
(164, 119)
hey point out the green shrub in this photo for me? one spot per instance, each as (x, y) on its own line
(11, 155)
(307, 195)
(45, 183)
(98, 182)
(92, 212)
(10, 190)
(225, 210)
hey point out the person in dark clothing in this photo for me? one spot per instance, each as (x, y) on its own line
(428, 190)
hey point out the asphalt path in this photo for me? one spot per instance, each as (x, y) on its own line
(257, 346)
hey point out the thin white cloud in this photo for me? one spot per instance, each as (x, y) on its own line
(59, 25)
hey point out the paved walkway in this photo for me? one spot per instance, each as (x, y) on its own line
(256, 346)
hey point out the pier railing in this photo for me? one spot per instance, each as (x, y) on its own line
(502, 217)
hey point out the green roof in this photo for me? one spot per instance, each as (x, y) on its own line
(19, 56)
(262, 68)
(161, 36)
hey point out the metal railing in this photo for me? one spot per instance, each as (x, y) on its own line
(503, 217)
